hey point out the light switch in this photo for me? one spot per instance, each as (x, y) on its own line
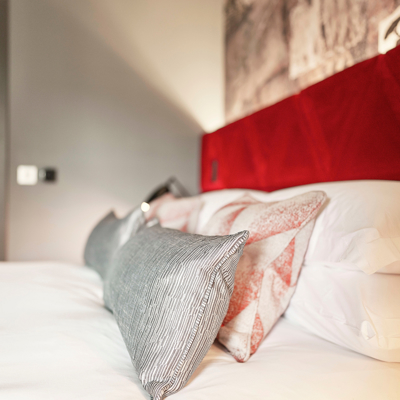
(27, 175)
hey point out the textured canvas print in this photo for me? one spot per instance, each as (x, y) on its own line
(275, 48)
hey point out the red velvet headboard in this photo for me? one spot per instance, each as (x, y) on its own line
(346, 127)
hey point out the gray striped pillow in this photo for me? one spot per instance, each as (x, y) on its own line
(169, 292)
(110, 234)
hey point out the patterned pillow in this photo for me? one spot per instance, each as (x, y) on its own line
(169, 292)
(108, 236)
(267, 273)
(181, 214)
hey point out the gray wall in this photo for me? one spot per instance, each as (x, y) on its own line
(79, 106)
(3, 122)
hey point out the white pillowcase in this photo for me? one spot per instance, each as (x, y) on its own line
(358, 229)
(349, 289)
(350, 308)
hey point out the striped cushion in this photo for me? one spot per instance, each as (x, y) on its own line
(108, 236)
(169, 292)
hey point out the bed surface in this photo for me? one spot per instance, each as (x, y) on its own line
(57, 341)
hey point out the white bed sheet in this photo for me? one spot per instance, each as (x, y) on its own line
(58, 342)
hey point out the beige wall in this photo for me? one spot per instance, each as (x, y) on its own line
(108, 93)
(176, 46)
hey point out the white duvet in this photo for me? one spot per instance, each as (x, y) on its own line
(58, 342)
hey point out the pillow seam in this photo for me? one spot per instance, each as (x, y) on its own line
(204, 303)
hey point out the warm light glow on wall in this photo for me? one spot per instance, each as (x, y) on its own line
(176, 46)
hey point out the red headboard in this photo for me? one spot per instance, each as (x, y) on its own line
(346, 127)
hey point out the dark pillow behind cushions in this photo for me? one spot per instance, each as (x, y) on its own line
(108, 236)
(169, 292)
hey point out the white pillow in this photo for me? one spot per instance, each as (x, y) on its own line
(358, 229)
(349, 308)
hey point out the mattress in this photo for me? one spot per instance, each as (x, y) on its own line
(57, 341)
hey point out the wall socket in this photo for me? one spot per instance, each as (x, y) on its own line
(48, 174)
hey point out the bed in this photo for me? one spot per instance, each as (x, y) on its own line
(58, 341)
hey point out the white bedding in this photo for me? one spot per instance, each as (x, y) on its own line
(58, 342)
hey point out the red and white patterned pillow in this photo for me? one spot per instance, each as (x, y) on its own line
(267, 272)
(173, 213)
